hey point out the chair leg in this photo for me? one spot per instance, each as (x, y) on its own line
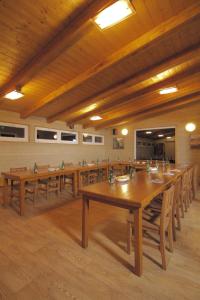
(182, 207)
(178, 218)
(129, 237)
(188, 198)
(185, 201)
(34, 195)
(163, 251)
(191, 195)
(170, 237)
(174, 226)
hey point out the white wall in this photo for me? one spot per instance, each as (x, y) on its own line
(16, 154)
(183, 152)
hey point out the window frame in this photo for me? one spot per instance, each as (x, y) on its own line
(68, 142)
(47, 141)
(13, 139)
(88, 143)
(93, 135)
(99, 135)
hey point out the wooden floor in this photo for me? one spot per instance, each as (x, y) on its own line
(41, 257)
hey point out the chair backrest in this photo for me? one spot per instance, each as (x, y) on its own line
(185, 178)
(177, 193)
(15, 170)
(42, 167)
(167, 206)
(190, 177)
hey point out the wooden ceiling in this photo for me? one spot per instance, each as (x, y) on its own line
(70, 70)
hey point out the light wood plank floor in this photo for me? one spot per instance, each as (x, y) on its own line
(41, 257)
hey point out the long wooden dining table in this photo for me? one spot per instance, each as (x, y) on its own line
(30, 176)
(134, 195)
(75, 171)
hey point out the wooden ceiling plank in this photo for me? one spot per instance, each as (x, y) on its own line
(139, 100)
(56, 46)
(92, 104)
(118, 101)
(132, 48)
(177, 104)
(172, 103)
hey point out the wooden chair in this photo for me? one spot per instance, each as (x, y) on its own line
(118, 170)
(177, 206)
(159, 224)
(51, 184)
(191, 184)
(67, 180)
(102, 175)
(185, 190)
(93, 177)
(156, 205)
(30, 187)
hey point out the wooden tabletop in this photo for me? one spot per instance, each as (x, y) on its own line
(137, 192)
(30, 175)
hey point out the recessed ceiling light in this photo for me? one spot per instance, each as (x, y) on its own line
(124, 131)
(14, 95)
(95, 118)
(168, 90)
(168, 137)
(148, 132)
(190, 127)
(160, 135)
(114, 13)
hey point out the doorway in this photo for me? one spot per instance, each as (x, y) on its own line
(155, 144)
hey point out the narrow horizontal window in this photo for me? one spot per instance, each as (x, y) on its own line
(99, 139)
(88, 138)
(13, 132)
(69, 137)
(44, 135)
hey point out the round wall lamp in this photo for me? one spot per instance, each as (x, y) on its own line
(124, 131)
(190, 127)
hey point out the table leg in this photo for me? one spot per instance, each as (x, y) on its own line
(75, 188)
(5, 191)
(61, 182)
(85, 214)
(21, 197)
(138, 241)
(79, 181)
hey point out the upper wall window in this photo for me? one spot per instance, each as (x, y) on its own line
(13, 132)
(88, 138)
(99, 139)
(69, 137)
(93, 139)
(45, 135)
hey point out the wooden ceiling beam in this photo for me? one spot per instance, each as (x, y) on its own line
(57, 45)
(161, 109)
(91, 105)
(148, 96)
(144, 103)
(132, 48)
(186, 99)
(128, 97)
